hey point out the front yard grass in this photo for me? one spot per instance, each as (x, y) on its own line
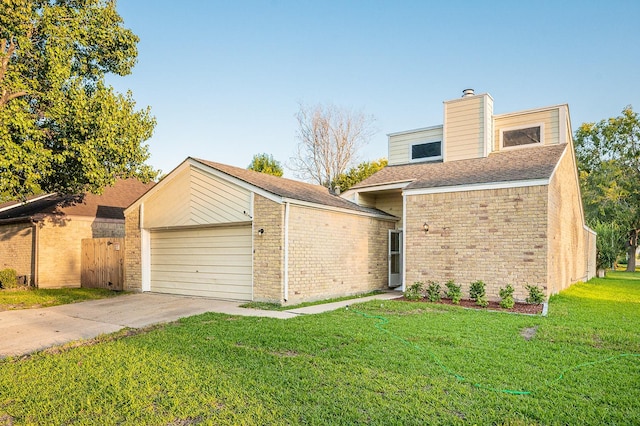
(22, 298)
(380, 362)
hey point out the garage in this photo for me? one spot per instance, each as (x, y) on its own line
(209, 261)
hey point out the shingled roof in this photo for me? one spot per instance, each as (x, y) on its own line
(109, 205)
(288, 188)
(503, 166)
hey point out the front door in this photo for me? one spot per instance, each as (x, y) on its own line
(395, 258)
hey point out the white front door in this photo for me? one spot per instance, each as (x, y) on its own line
(395, 258)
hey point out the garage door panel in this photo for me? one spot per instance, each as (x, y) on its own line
(205, 293)
(205, 277)
(197, 259)
(194, 286)
(212, 262)
(206, 242)
(203, 253)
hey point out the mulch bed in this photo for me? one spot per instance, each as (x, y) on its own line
(519, 308)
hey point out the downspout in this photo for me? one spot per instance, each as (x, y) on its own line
(405, 228)
(286, 251)
(35, 244)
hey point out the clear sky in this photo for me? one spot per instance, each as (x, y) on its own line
(224, 78)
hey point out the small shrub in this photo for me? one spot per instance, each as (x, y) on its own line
(453, 292)
(476, 290)
(506, 297)
(433, 292)
(482, 301)
(414, 292)
(8, 278)
(536, 296)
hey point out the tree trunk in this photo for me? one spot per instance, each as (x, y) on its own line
(633, 245)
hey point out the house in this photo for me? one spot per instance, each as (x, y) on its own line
(41, 238)
(481, 197)
(484, 196)
(213, 230)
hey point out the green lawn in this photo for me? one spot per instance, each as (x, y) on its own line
(383, 363)
(41, 298)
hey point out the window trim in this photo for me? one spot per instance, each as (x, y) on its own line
(520, 127)
(425, 159)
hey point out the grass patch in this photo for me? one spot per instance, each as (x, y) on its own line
(22, 298)
(374, 363)
(277, 307)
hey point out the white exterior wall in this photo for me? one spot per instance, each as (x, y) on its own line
(400, 143)
(549, 118)
(466, 131)
(195, 197)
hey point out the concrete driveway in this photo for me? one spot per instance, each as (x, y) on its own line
(29, 330)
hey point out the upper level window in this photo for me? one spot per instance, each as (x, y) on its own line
(516, 137)
(426, 151)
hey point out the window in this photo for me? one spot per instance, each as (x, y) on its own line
(426, 151)
(515, 137)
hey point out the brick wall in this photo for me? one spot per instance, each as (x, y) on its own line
(60, 247)
(16, 248)
(268, 250)
(335, 254)
(570, 249)
(132, 252)
(498, 236)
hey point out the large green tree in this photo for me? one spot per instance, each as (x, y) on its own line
(358, 173)
(265, 163)
(608, 154)
(61, 127)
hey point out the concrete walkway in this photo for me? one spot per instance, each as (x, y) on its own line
(29, 330)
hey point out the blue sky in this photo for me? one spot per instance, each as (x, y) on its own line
(224, 78)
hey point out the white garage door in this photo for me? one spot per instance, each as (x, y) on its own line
(211, 262)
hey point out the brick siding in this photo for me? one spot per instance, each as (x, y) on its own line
(268, 250)
(497, 236)
(60, 247)
(16, 248)
(571, 249)
(132, 252)
(335, 254)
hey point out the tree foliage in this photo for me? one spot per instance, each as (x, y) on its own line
(358, 173)
(61, 127)
(265, 163)
(608, 154)
(609, 243)
(329, 138)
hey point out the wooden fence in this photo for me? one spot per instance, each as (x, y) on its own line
(102, 263)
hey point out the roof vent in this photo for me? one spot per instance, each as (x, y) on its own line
(468, 92)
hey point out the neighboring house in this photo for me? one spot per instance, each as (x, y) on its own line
(213, 230)
(41, 238)
(481, 197)
(485, 197)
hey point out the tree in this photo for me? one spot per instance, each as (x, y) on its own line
(609, 243)
(61, 127)
(358, 173)
(265, 163)
(329, 139)
(608, 154)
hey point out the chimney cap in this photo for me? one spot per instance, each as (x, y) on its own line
(468, 92)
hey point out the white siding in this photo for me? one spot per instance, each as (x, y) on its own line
(195, 197)
(465, 127)
(400, 143)
(392, 204)
(211, 262)
(550, 118)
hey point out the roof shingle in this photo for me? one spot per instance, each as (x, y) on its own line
(109, 205)
(289, 188)
(503, 166)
